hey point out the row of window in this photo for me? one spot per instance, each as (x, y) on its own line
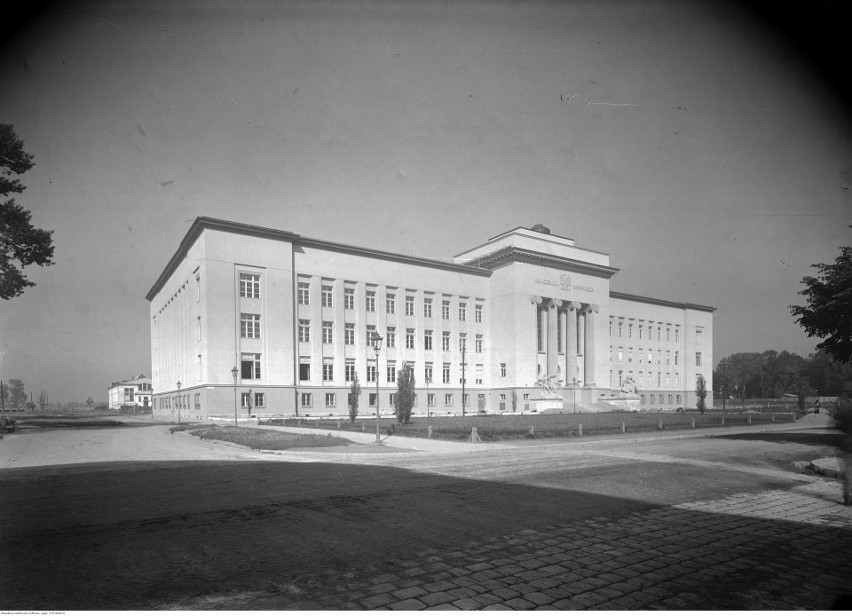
(646, 383)
(391, 371)
(182, 401)
(650, 356)
(647, 332)
(306, 399)
(327, 301)
(390, 336)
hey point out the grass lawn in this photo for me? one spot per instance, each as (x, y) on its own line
(506, 427)
(262, 439)
(48, 421)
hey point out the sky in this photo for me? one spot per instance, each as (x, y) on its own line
(701, 144)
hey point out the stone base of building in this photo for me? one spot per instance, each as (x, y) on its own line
(542, 402)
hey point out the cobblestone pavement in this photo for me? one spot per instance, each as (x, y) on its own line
(778, 549)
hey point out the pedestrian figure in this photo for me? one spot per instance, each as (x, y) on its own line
(843, 416)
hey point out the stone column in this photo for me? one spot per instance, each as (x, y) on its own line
(535, 299)
(571, 312)
(552, 336)
(581, 332)
(589, 355)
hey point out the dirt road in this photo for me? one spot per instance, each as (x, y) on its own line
(135, 518)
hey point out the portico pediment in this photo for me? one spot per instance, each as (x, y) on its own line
(513, 254)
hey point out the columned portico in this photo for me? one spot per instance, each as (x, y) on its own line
(575, 323)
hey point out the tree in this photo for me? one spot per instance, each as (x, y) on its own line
(802, 389)
(17, 394)
(744, 373)
(354, 398)
(828, 313)
(21, 244)
(701, 391)
(404, 401)
(42, 400)
(90, 402)
(514, 400)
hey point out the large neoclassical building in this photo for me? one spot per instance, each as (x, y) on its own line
(265, 322)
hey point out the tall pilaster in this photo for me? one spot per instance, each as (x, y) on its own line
(537, 302)
(589, 355)
(553, 337)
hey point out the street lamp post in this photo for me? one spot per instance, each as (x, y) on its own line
(180, 401)
(464, 377)
(234, 373)
(724, 366)
(376, 343)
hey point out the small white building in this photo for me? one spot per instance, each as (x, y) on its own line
(291, 318)
(137, 391)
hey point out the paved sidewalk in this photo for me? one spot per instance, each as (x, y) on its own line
(778, 550)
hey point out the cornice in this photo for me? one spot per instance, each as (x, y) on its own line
(514, 254)
(660, 302)
(202, 222)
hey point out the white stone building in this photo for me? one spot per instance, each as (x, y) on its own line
(132, 392)
(293, 315)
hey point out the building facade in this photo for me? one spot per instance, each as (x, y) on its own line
(258, 321)
(137, 391)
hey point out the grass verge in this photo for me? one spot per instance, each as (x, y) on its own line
(263, 439)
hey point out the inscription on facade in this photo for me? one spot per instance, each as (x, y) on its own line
(564, 283)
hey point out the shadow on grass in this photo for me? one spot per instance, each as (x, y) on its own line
(828, 438)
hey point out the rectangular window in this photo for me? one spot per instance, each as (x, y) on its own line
(640, 332)
(503, 370)
(349, 333)
(305, 293)
(478, 343)
(350, 370)
(427, 307)
(250, 364)
(371, 301)
(304, 368)
(478, 374)
(427, 340)
(668, 333)
(198, 288)
(445, 370)
(245, 399)
(677, 334)
(392, 399)
(390, 338)
(349, 298)
(699, 336)
(250, 285)
(652, 398)
(445, 341)
(390, 303)
(371, 399)
(391, 372)
(448, 399)
(304, 330)
(430, 399)
(372, 372)
(428, 372)
(620, 353)
(659, 333)
(328, 332)
(409, 338)
(668, 358)
(330, 400)
(198, 401)
(462, 342)
(259, 401)
(409, 305)
(198, 328)
(370, 330)
(676, 358)
(478, 313)
(698, 358)
(462, 311)
(327, 369)
(620, 329)
(630, 355)
(445, 309)
(630, 330)
(307, 400)
(249, 325)
(327, 296)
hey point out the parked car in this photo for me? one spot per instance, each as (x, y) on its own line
(8, 424)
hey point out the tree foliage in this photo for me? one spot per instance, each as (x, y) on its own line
(17, 394)
(354, 398)
(701, 392)
(404, 401)
(828, 313)
(21, 244)
(771, 374)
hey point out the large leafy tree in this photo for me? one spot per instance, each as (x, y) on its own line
(17, 394)
(828, 313)
(21, 244)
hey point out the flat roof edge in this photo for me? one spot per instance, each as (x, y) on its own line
(660, 302)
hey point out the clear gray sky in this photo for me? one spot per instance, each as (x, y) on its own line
(689, 140)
